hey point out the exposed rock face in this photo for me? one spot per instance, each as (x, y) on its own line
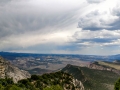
(78, 84)
(78, 77)
(10, 71)
(75, 83)
(99, 67)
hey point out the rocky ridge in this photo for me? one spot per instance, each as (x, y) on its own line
(75, 83)
(78, 73)
(97, 66)
(78, 84)
(10, 71)
(93, 79)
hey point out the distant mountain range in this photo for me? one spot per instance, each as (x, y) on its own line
(12, 56)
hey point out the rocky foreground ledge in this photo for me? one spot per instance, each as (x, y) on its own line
(10, 71)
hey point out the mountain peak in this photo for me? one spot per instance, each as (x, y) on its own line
(72, 69)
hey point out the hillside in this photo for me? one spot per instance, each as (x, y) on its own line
(93, 79)
(104, 66)
(115, 64)
(52, 81)
(10, 71)
(12, 78)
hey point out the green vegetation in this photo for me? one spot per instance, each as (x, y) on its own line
(99, 79)
(93, 79)
(8, 84)
(38, 71)
(52, 81)
(117, 85)
(53, 87)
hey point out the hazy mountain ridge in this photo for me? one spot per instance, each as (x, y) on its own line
(12, 56)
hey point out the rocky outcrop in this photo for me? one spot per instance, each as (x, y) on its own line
(78, 84)
(74, 85)
(78, 75)
(97, 66)
(10, 71)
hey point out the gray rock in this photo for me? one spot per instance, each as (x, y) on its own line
(10, 71)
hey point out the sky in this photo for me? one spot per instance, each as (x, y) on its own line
(90, 27)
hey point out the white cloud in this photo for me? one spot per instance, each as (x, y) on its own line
(51, 26)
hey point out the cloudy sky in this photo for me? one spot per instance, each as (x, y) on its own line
(60, 26)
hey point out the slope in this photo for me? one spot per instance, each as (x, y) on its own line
(93, 79)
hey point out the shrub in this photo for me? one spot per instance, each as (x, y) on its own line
(117, 85)
(53, 87)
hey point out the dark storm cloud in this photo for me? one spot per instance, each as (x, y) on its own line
(116, 24)
(96, 40)
(93, 27)
(19, 18)
(22, 24)
(95, 21)
(4, 2)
